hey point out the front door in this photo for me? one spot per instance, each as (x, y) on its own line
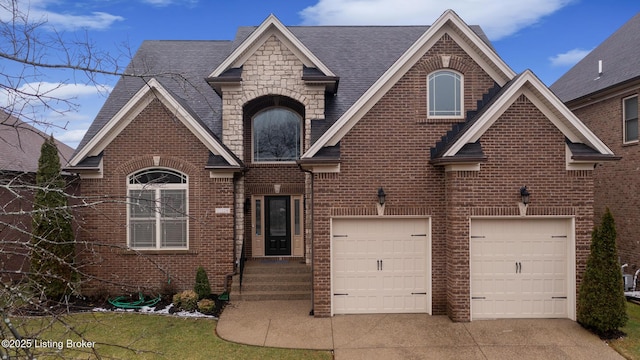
(277, 225)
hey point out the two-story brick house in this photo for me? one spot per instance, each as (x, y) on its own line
(602, 90)
(408, 165)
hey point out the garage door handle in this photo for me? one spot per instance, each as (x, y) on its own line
(558, 297)
(379, 265)
(478, 298)
(424, 293)
(418, 234)
(339, 294)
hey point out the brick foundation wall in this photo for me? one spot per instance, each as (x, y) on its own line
(104, 225)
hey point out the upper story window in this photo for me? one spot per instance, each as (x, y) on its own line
(445, 94)
(630, 118)
(157, 211)
(277, 135)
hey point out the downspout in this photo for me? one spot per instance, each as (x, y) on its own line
(311, 313)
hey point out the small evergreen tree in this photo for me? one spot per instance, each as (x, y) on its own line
(202, 287)
(601, 301)
(53, 246)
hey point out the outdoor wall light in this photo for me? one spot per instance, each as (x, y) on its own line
(524, 194)
(381, 196)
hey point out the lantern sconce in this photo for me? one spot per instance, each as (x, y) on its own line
(381, 196)
(524, 195)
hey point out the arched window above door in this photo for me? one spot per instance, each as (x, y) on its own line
(276, 135)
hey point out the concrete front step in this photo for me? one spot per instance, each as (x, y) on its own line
(269, 295)
(273, 286)
(273, 280)
(254, 267)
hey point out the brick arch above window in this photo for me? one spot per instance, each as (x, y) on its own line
(251, 96)
(438, 62)
(150, 161)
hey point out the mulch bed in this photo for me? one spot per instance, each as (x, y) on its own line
(76, 304)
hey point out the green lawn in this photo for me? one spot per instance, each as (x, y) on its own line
(143, 336)
(629, 346)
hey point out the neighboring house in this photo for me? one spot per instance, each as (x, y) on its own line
(603, 90)
(392, 159)
(20, 145)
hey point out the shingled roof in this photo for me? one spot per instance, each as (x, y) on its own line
(20, 145)
(358, 55)
(620, 56)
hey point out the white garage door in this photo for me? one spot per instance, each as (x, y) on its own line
(381, 266)
(519, 268)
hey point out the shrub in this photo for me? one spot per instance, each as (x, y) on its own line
(53, 242)
(186, 300)
(206, 306)
(168, 290)
(202, 287)
(601, 301)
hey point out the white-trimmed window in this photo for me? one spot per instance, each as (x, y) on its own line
(277, 135)
(445, 94)
(157, 212)
(630, 118)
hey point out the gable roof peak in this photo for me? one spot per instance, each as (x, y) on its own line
(538, 93)
(152, 89)
(449, 22)
(271, 25)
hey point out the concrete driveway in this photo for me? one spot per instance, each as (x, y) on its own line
(287, 324)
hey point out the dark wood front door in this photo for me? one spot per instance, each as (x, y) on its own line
(277, 225)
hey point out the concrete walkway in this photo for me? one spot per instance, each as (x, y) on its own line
(287, 324)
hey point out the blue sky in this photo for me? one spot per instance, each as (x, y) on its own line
(546, 36)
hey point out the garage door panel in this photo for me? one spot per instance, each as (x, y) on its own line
(519, 267)
(387, 259)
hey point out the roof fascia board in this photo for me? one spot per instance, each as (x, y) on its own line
(116, 124)
(447, 22)
(529, 85)
(583, 132)
(271, 26)
(491, 63)
(150, 91)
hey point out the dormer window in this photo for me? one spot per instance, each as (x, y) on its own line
(445, 94)
(277, 135)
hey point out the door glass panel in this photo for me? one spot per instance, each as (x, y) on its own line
(278, 217)
(258, 217)
(296, 216)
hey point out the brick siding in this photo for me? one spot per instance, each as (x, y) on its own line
(389, 147)
(156, 132)
(616, 183)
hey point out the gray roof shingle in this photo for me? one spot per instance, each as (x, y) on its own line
(620, 55)
(358, 55)
(20, 145)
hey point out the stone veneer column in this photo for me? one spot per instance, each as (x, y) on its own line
(272, 70)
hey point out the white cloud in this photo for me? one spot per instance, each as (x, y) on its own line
(497, 18)
(39, 10)
(569, 58)
(163, 3)
(71, 136)
(64, 91)
(94, 21)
